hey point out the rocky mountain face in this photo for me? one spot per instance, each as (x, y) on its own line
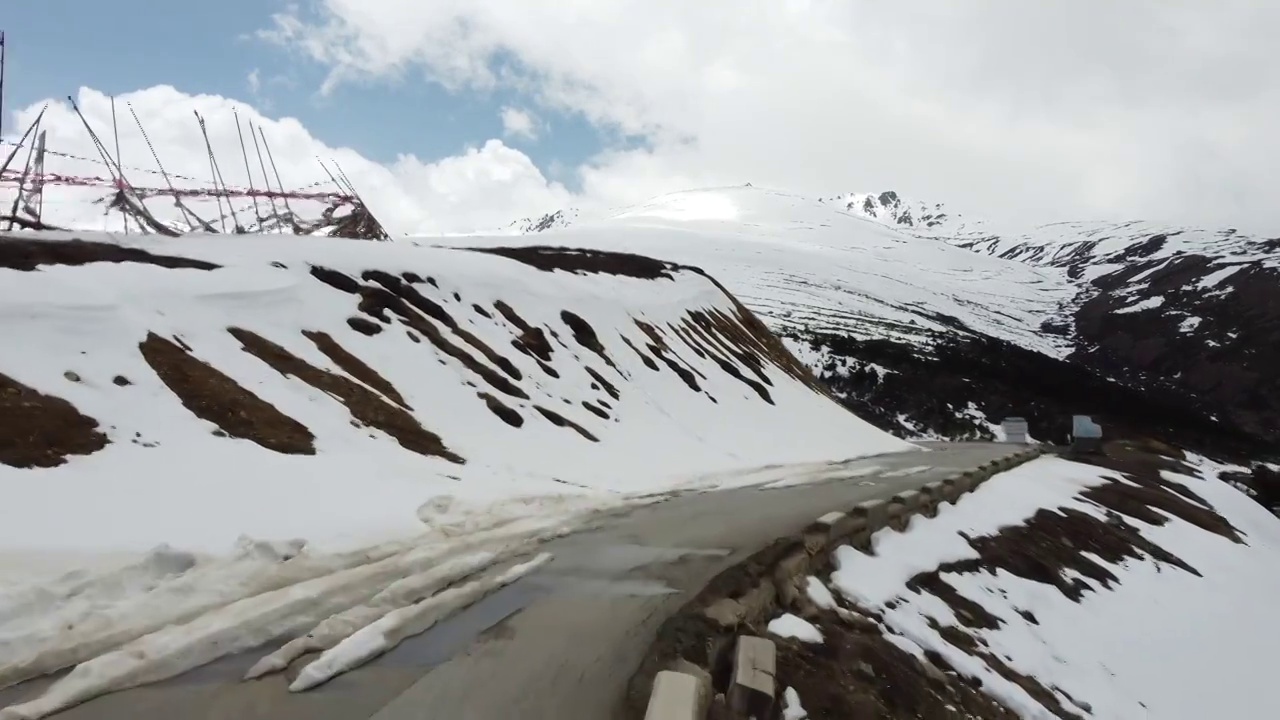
(1174, 311)
(1157, 332)
(542, 223)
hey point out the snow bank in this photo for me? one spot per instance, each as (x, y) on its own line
(240, 438)
(166, 475)
(929, 542)
(788, 625)
(1145, 644)
(396, 626)
(791, 707)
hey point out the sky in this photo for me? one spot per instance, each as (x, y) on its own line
(463, 115)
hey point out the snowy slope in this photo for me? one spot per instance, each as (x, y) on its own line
(805, 265)
(1162, 308)
(892, 209)
(1087, 249)
(1068, 590)
(1094, 249)
(224, 440)
(628, 373)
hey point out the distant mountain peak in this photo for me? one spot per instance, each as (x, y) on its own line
(542, 223)
(892, 209)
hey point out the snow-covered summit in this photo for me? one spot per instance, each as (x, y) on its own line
(542, 223)
(1191, 312)
(808, 265)
(1089, 248)
(892, 209)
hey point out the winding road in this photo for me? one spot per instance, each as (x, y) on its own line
(561, 644)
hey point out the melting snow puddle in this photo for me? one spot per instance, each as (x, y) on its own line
(599, 586)
(907, 471)
(437, 645)
(840, 473)
(617, 560)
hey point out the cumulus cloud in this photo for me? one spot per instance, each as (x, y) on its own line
(480, 190)
(1038, 111)
(519, 123)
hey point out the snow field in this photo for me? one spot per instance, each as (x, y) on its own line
(393, 628)
(89, 320)
(353, 548)
(335, 607)
(1148, 646)
(806, 265)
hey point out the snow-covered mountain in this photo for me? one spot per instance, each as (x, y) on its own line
(805, 266)
(542, 223)
(431, 372)
(293, 426)
(1148, 326)
(1182, 309)
(892, 209)
(209, 442)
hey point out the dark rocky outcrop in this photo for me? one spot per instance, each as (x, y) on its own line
(962, 383)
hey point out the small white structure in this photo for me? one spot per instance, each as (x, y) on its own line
(1086, 435)
(1015, 430)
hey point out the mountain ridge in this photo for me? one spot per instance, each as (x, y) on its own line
(1161, 309)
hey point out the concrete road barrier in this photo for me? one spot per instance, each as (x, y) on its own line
(679, 696)
(752, 689)
(874, 512)
(783, 569)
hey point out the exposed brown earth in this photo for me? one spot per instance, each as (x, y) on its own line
(434, 311)
(726, 335)
(364, 326)
(21, 253)
(690, 333)
(335, 279)
(595, 410)
(648, 361)
(658, 348)
(589, 261)
(1055, 541)
(376, 300)
(857, 674)
(603, 383)
(532, 340)
(561, 421)
(216, 398)
(715, 334)
(39, 430)
(364, 405)
(742, 335)
(504, 412)
(586, 336)
(354, 366)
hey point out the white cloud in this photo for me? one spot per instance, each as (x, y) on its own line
(1045, 110)
(480, 190)
(255, 81)
(519, 123)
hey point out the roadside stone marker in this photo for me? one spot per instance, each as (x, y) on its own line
(751, 692)
(1015, 430)
(678, 696)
